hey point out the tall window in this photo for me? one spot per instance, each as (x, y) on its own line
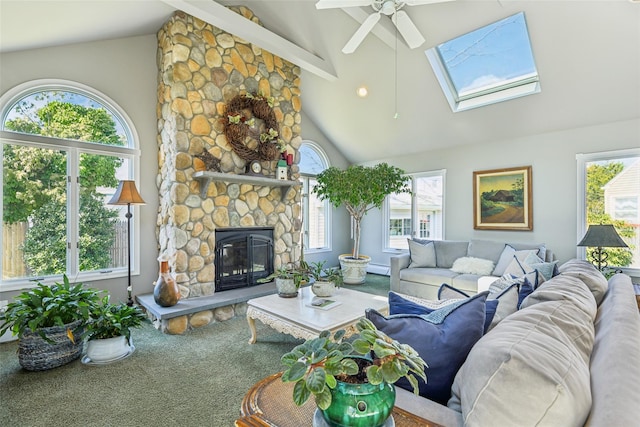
(64, 149)
(609, 192)
(420, 214)
(315, 211)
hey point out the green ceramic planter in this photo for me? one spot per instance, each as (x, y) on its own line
(360, 405)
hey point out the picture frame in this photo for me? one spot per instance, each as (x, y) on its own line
(502, 199)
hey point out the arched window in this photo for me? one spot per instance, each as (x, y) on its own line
(316, 213)
(65, 147)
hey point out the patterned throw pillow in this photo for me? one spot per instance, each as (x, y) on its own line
(406, 304)
(519, 268)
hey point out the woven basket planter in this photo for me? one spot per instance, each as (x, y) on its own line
(37, 354)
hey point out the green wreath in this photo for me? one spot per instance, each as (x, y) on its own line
(239, 131)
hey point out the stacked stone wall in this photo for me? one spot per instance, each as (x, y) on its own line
(200, 69)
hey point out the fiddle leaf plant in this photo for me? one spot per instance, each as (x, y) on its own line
(360, 189)
(316, 365)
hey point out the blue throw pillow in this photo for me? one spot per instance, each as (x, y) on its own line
(400, 305)
(443, 339)
(525, 289)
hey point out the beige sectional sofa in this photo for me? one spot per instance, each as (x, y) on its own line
(568, 357)
(430, 263)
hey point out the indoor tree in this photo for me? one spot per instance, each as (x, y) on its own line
(360, 189)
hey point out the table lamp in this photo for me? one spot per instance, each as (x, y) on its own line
(127, 194)
(598, 237)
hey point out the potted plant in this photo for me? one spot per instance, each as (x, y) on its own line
(359, 189)
(49, 322)
(325, 280)
(109, 331)
(343, 382)
(288, 280)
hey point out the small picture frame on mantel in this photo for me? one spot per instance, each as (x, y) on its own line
(502, 199)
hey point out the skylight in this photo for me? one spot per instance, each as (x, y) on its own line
(488, 65)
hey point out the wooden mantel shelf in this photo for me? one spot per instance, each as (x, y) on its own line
(205, 178)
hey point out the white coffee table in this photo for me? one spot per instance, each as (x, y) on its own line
(294, 317)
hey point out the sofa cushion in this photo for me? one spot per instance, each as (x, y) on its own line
(446, 292)
(547, 269)
(507, 303)
(422, 254)
(406, 304)
(519, 268)
(428, 275)
(539, 248)
(442, 338)
(520, 251)
(486, 249)
(473, 265)
(447, 251)
(544, 348)
(590, 275)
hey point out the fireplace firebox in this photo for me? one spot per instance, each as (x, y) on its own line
(243, 256)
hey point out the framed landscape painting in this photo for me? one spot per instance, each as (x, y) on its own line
(502, 199)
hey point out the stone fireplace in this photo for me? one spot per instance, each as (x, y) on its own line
(201, 68)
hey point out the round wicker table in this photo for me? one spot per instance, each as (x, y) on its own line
(269, 404)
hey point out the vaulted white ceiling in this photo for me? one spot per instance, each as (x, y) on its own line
(587, 53)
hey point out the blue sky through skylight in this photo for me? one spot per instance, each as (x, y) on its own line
(493, 56)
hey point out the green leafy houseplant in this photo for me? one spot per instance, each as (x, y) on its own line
(360, 189)
(316, 365)
(297, 274)
(45, 306)
(113, 320)
(318, 272)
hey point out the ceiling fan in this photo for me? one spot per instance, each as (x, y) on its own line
(391, 8)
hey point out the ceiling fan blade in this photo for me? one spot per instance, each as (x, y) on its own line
(408, 30)
(361, 33)
(332, 4)
(421, 2)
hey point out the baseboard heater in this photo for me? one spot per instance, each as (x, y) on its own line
(381, 269)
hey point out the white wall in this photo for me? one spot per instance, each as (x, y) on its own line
(125, 70)
(340, 223)
(554, 179)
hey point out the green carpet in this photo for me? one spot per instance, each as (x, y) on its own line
(197, 379)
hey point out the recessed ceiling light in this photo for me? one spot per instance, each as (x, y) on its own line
(362, 91)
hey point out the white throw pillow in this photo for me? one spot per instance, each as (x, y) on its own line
(471, 265)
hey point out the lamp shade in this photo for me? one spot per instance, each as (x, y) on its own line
(604, 236)
(126, 194)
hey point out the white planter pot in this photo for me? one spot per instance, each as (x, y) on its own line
(323, 288)
(109, 349)
(286, 288)
(354, 271)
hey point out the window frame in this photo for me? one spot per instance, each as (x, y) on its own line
(582, 159)
(305, 177)
(74, 150)
(415, 219)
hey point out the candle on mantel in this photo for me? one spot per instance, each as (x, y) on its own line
(289, 159)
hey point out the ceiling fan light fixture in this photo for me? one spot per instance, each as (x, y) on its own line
(362, 91)
(388, 7)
